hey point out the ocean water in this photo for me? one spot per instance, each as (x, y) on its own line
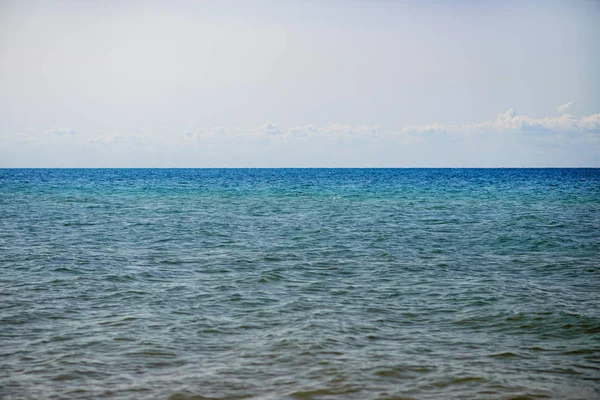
(300, 284)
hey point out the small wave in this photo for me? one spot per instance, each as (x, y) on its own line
(404, 372)
(120, 278)
(581, 351)
(318, 393)
(184, 396)
(152, 353)
(506, 354)
(271, 277)
(120, 322)
(68, 270)
(65, 377)
(463, 380)
(78, 224)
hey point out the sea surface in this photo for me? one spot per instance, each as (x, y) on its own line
(299, 283)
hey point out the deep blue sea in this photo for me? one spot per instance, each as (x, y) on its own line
(299, 283)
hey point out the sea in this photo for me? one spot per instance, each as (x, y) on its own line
(299, 284)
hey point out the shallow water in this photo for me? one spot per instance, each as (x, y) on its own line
(300, 284)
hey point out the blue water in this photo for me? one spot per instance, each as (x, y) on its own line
(300, 284)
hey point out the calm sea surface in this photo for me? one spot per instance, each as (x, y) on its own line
(300, 284)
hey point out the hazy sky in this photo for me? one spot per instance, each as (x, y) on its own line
(299, 83)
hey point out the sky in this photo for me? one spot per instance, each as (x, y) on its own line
(327, 83)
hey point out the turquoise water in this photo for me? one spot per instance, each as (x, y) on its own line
(300, 284)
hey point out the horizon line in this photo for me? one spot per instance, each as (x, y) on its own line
(564, 167)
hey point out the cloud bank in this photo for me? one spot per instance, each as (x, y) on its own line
(270, 129)
(510, 122)
(59, 131)
(508, 140)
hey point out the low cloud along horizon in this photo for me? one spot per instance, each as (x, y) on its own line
(339, 144)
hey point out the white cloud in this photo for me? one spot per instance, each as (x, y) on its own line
(562, 109)
(508, 139)
(119, 138)
(591, 123)
(270, 128)
(370, 130)
(302, 131)
(51, 137)
(197, 133)
(435, 127)
(510, 122)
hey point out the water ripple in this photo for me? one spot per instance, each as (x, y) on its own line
(300, 284)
